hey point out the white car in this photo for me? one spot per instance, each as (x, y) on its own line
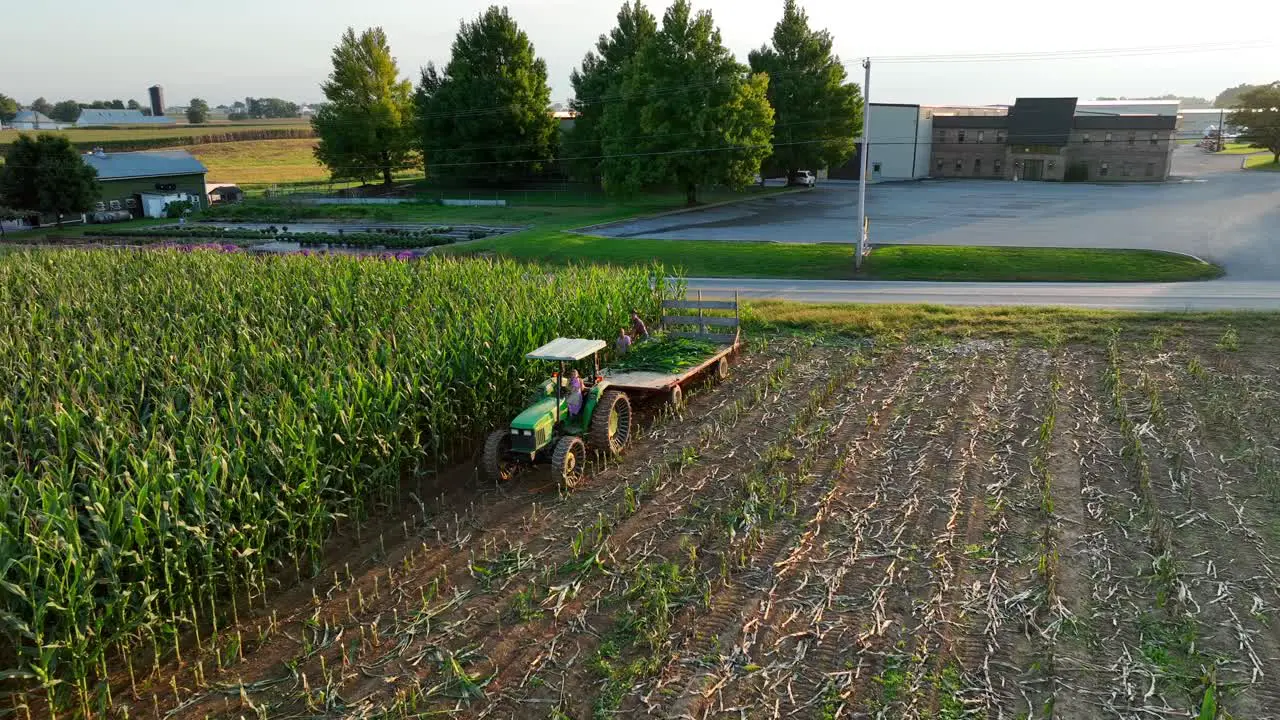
(806, 178)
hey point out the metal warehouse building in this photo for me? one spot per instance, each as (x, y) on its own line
(901, 138)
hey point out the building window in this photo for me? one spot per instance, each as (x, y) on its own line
(1104, 169)
(977, 166)
(939, 163)
(1155, 138)
(982, 136)
(1106, 140)
(960, 136)
(942, 136)
(999, 136)
(1151, 169)
(996, 166)
(1133, 138)
(1124, 169)
(1085, 139)
(959, 165)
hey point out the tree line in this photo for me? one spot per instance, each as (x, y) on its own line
(197, 112)
(658, 103)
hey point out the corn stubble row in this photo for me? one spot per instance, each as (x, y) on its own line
(177, 428)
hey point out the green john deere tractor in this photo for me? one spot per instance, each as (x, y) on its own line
(547, 431)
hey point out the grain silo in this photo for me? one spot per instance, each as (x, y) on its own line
(157, 100)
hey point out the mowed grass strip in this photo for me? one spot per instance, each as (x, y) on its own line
(1040, 324)
(831, 261)
(1028, 264)
(1262, 161)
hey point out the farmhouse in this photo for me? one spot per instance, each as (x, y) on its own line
(32, 120)
(145, 182)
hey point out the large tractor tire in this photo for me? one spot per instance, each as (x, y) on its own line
(496, 463)
(611, 423)
(568, 460)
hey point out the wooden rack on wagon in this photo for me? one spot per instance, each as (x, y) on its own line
(713, 321)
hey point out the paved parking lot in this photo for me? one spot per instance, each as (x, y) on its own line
(1213, 210)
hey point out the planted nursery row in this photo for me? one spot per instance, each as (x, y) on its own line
(179, 428)
(428, 238)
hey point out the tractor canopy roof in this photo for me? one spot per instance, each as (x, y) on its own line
(567, 350)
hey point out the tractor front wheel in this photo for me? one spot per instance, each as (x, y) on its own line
(567, 461)
(496, 463)
(611, 423)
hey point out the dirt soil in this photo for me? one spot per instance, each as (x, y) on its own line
(945, 530)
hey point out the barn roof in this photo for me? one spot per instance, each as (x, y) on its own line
(119, 166)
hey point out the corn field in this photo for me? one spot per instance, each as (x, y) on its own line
(177, 429)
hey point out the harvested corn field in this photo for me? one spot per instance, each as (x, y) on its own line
(841, 529)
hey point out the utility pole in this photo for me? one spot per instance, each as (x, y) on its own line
(1221, 140)
(865, 152)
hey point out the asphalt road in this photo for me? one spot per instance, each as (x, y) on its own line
(1214, 211)
(1190, 296)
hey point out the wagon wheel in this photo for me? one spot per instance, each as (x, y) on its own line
(567, 461)
(496, 463)
(722, 369)
(611, 423)
(676, 398)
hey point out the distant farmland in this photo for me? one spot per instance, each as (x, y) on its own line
(145, 138)
(261, 162)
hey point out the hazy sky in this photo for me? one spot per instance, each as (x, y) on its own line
(227, 49)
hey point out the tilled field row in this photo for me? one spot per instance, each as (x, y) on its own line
(920, 531)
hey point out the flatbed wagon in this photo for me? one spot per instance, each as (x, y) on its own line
(699, 319)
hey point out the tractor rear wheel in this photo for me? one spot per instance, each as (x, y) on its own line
(611, 423)
(567, 461)
(496, 463)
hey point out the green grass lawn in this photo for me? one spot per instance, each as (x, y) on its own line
(1263, 161)
(1022, 264)
(835, 262)
(1239, 149)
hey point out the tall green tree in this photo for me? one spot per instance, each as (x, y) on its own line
(486, 117)
(366, 127)
(8, 108)
(818, 113)
(67, 111)
(1258, 110)
(688, 114)
(47, 174)
(42, 106)
(1231, 96)
(197, 112)
(599, 82)
(134, 105)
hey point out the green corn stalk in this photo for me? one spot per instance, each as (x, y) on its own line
(174, 427)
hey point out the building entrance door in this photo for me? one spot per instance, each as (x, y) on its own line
(1033, 169)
